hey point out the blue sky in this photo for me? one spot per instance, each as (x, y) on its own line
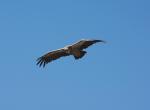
(113, 76)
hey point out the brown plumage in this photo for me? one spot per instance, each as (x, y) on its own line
(77, 50)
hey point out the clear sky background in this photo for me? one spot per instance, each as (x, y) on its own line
(112, 76)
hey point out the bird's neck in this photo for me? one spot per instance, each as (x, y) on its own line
(69, 49)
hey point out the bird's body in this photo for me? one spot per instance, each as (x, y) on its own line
(77, 50)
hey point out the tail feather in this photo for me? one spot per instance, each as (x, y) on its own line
(81, 55)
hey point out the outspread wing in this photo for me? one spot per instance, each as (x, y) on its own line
(83, 44)
(43, 60)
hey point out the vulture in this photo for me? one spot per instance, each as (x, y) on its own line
(76, 49)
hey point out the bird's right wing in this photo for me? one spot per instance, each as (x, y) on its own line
(43, 60)
(83, 44)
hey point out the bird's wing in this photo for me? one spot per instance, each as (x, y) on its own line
(83, 44)
(43, 60)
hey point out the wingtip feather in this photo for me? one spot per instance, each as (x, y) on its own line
(100, 41)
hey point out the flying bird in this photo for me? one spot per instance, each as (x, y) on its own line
(76, 49)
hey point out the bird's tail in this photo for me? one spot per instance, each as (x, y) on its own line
(82, 53)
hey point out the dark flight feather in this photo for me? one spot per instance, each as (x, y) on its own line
(83, 44)
(43, 60)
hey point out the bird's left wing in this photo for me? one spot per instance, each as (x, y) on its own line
(43, 60)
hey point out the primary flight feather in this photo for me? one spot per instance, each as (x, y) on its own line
(77, 50)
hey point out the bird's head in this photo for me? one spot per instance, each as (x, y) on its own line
(68, 47)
